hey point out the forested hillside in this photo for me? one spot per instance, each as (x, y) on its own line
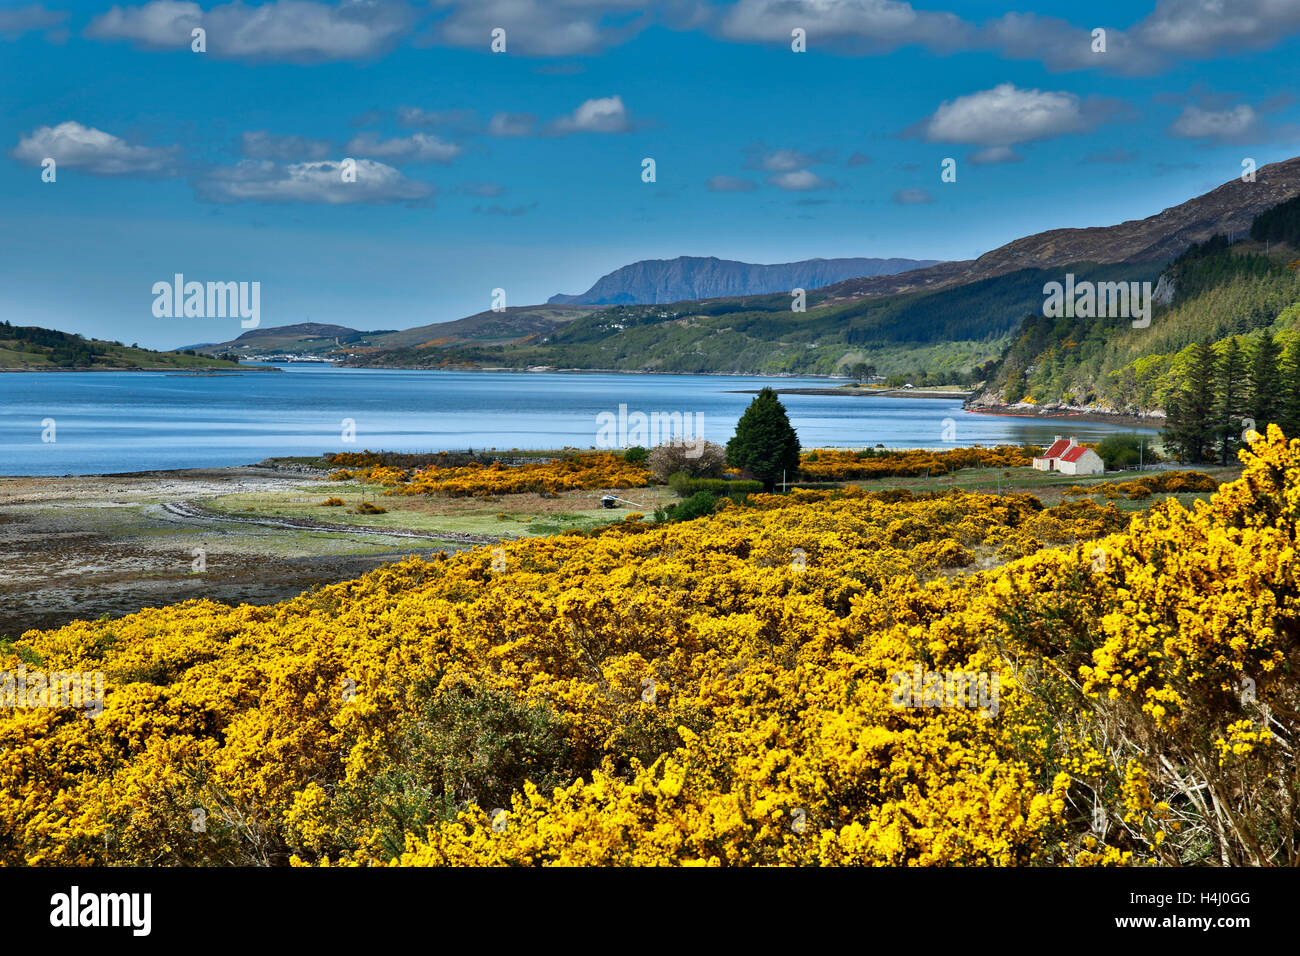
(1220, 290)
(945, 334)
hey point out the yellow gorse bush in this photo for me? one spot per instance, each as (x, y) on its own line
(573, 471)
(722, 691)
(839, 464)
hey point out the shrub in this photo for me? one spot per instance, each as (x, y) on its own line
(636, 455)
(366, 508)
(696, 506)
(332, 502)
(694, 459)
(684, 486)
(1118, 452)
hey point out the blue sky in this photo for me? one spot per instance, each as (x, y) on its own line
(522, 170)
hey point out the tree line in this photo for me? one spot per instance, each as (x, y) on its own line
(1225, 394)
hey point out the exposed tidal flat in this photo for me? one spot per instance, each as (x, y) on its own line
(119, 422)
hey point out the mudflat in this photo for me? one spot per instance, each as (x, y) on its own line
(86, 546)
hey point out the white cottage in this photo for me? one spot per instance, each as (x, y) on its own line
(1070, 458)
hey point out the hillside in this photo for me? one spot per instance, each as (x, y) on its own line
(334, 342)
(1221, 291)
(1228, 210)
(29, 348)
(946, 333)
(655, 281)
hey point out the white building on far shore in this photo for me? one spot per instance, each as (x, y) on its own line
(1070, 458)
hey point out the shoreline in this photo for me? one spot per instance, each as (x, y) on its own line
(874, 393)
(201, 372)
(1149, 423)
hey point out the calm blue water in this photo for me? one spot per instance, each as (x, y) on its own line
(139, 421)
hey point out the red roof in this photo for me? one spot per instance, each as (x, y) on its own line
(1074, 454)
(1058, 449)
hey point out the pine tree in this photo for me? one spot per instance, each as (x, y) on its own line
(1190, 427)
(1175, 426)
(1231, 398)
(1290, 389)
(1265, 382)
(765, 444)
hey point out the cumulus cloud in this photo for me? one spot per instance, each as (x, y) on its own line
(314, 29)
(781, 160)
(994, 154)
(1200, 27)
(93, 151)
(603, 115)
(512, 124)
(912, 197)
(866, 25)
(263, 181)
(259, 144)
(1005, 115)
(541, 27)
(731, 184)
(412, 116)
(304, 30)
(29, 19)
(799, 180)
(416, 148)
(1237, 124)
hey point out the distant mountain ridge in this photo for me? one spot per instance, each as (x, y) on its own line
(1227, 210)
(653, 281)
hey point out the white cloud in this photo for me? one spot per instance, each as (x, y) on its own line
(1183, 27)
(279, 29)
(604, 115)
(990, 155)
(416, 148)
(160, 23)
(93, 151)
(799, 180)
(316, 30)
(259, 144)
(781, 160)
(912, 197)
(512, 124)
(1007, 114)
(730, 184)
(1238, 124)
(34, 18)
(541, 27)
(869, 25)
(414, 116)
(263, 181)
